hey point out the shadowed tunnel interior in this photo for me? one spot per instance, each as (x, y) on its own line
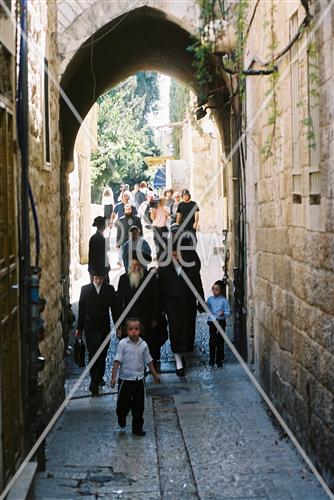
(143, 40)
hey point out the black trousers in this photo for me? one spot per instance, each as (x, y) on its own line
(94, 339)
(131, 396)
(216, 342)
(181, 315)
(156, 337)
(160, 235)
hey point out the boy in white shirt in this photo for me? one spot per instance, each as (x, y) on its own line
(131, 357)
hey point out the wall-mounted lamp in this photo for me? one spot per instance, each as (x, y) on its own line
(201, 112)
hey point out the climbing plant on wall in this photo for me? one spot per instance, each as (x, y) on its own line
(232, 61)
(313, 92)
(204, 46)
(272, 109)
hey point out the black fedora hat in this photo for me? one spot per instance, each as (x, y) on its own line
(99, 221)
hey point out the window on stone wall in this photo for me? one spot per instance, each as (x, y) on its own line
(46, 116)
(295, 116)
(297, 188)
(314, 188)
(314, 124)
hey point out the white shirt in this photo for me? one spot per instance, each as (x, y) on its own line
(133, 357)
(178, 267)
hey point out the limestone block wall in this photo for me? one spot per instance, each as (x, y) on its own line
(291, 232)
(79, 20)
(74, 184)
(177, 174)
(200, 148)
(79, 181)
(44, 179)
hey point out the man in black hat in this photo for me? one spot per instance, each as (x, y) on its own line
(98, 262)
(96, 300)
(187, 245)
(145, 306)
(187, 215)
(179, 302)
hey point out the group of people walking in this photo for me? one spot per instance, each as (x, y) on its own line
(151, 303)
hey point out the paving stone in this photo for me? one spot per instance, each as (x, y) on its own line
(213, 440)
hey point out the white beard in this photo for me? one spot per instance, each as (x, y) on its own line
(135, 277)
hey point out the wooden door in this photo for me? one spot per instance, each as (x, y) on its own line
(10, 358)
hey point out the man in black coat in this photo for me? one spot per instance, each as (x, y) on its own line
(123, 225)
(180, 304)
(146, 305)
(96, 300)
(98, 262)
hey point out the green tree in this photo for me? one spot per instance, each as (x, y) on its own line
(179, 97)
(124, 138)
(147, 87)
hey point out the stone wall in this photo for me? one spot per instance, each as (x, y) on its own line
(200, 149)
(291, 234)
(80, 194)
(45, 183)
(80, 20)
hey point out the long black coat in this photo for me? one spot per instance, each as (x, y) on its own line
(97, 255)
(180, 305)
(94, 308)
(145, 306)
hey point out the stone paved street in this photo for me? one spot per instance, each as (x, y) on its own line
(208, 436)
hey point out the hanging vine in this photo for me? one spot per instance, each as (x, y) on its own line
(202, 50)
(272, 106)
(209, 68)
(241, 26)
(313, 93)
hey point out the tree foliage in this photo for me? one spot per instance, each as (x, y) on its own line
(147, 87)
(124, 138)
(179, 97)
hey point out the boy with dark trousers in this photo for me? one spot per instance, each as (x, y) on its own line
(131, 358)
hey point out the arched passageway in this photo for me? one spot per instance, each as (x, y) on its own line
(145, 39)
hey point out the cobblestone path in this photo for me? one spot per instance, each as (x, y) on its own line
(208, 436)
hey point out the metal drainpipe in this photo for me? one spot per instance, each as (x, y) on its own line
(24, 245)
(29, 278)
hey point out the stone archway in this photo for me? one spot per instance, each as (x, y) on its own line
(145, 39)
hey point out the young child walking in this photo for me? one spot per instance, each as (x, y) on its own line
(131, 357)
(220, 310)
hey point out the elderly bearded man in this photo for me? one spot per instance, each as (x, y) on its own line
(145, 306)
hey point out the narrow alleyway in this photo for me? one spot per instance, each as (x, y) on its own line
(208, 436)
